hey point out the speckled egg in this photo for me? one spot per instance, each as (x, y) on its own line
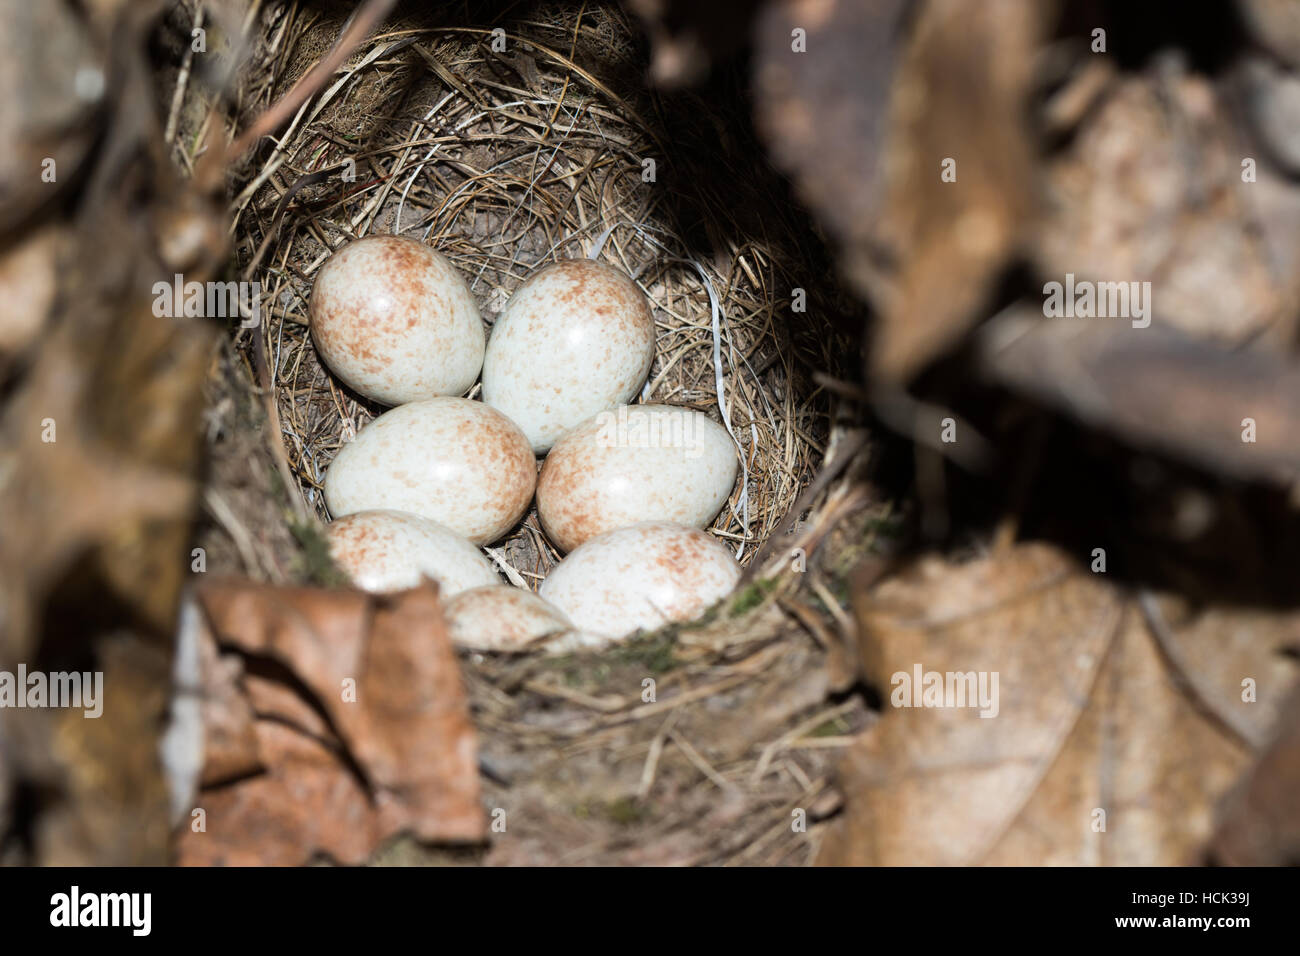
(641, 577)
(458, 462)
(631, 464)
(577, 338)
(501, 618)
(395, 321)
(386, 551)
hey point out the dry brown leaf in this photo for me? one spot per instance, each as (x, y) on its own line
(961, 94)
(361, 726)
(1151, 191)
(824, 111)
(52, 76)
(99, 450)
(1155, 387)
(1093, 714)
(305, 805)
(687, 38)
(866, 129)
(1260, 821)
(1275, 24)
(229, 723)
(97, 466)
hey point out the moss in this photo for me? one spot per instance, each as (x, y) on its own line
(839, 587)
(831, 728)
(278, 487)
(580, 673)
(704, 620)
(836, 587)
(624, 811)
(752, 596)
(316, 565)
(889, 526)
(654, 652)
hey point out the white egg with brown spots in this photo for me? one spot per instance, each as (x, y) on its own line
(641, 578)
(631, 464)
(575, 339)
(395, 321)
(502, 618)
(386, 551)
(458, 462)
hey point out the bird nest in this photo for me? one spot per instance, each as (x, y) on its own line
(506, 142)
(509, 147)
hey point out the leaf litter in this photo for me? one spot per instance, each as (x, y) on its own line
(342, 720)
(1117, 725)
(1119, 697)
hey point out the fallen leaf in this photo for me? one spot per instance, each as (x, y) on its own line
(361, 726)
(886, 100)
(229, 723)
(1259, 824)
(824, 112)
(1156, 387)
(45, 50)
(1101, 748)
(1151, 191)
(1275, 24)
(305, 806)
(686, 38)
(99, 449)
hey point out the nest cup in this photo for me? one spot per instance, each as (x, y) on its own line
(508, 145)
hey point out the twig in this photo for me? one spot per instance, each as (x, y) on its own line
(182, 82)
(358, 29)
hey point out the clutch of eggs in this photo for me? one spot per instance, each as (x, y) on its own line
(458, 462)
(632, 464)
(395, 321)
(625, 489)
(575, 339)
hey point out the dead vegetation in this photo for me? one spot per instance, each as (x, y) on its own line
(1099, 533)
